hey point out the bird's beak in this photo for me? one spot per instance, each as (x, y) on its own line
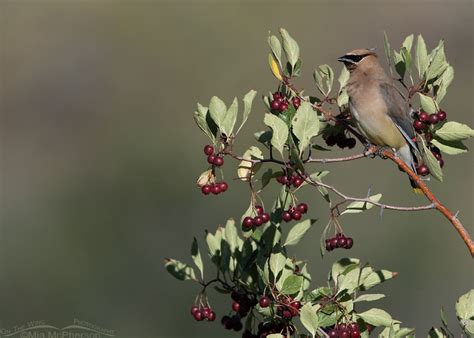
(345, 59)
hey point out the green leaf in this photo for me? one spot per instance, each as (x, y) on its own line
(357, 207)
(375, 278)
(290, 46)
(435, 333)
(200, 117)
(230, 118)
(432, 163)
(400, 65)
(218, 111)
(465, 309)
(298, 231)
(444, 82)
(196, 256)
(428, 104)
(324, 78)
(421, 56)
(404, 332)
(454, 131)
(248, 99)
(247, 169)
(277, 263)
(275, 335)
(437, 62)
(408, 42)
(305, 125)
(230, 234)
(406, 57)
(275, 46)
(292, 285)
(309, 319)
(376, 317)
(450, 147)
(179, 270)
(341, 265)
(279, 131)
(342, 97)
(213, 243)
(369, 297)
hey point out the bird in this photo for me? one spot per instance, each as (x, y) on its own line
(381, 113)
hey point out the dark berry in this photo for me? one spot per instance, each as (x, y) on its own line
(423, 170)
(275, 105)
(339, 235)
(205, 312)
(296, 102)
(349, 242)
(331, 140)
(351, 143)
(225, 320)
(287, 314)
(208, 150)
(418, 125)
(428, 137)
(441, 162)
(296, 304)
(235, 306)
(212, 316)
(438, 156)
(258, 221)
(259, 209)
(286, 216)
(235, 295)
(198, 316)
(334, 242)
(266, 217)
(283, 106)
(355, 334)
(353, 327)
(216, 189)
(194, 309)
(236, 323)
(296, 215)
(341, 242)
(206, 189)
(276, 95)
(218, 161)
(434, 118)
(223, 186)
(423, 116)
(264, 301)
(297, 182)
(435, 150)
(302, 207)
(344, 333)
(341, 141)
(247, 223)
(442, 115)
(328, 245)
(211, 158)
(333, 333)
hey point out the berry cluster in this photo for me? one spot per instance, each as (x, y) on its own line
(350, 330)
(280, 102)
(423, 169)
(261, 218)
(201, 313)
(341, 140)
(214, 188)
(232, 323)
(214, 159)
(291, 179)
(339, 241)
(295, 213)
(289, 308)
(242, 304)
(424, 120)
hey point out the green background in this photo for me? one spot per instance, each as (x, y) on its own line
(100, 155)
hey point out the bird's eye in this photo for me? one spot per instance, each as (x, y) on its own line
(357, 58)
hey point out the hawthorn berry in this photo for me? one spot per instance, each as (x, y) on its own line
(283, 106)
(434, 119)
(275, 105)
(247, 223)
(212, 316)
(259, 209)
(211, 158)
(223, 186)
(205, 312)
(428, 136)
(333, 333)
(441, 162)
(264, 302)
(286, 216)
(258, 221)
(331, 140)
(287, 314)
(349, 243)
(277, 95)
(297, 182)
(194, 309)
(236, 306)
(296, 101)
(328, 245)
(296, 215)
(341, 242)
(216, 189)
(423, 116)
(302, 207)
(198, 316)
(208, 150)
(418, 125)
(334, 242)
(218, 161)
(422, 170)
(266, 217)
(442, 115)
(206, 189)
(351, 143)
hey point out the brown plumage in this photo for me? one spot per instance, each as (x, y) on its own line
(381, 113)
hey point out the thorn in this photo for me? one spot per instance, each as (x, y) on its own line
(456, 214)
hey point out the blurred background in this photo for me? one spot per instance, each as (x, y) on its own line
(100, 155)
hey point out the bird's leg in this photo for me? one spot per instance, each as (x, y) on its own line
(381, 150)
(368, 150)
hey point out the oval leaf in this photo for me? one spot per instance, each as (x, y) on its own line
(297, 232)
(305, 125)
(279, 131)
(454, 131)
(376, 317)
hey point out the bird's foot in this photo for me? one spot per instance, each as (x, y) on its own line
(380, 152)
(369, 150)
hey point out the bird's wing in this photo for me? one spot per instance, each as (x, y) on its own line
(398, 111)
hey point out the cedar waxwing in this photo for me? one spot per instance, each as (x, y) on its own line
(381, 113)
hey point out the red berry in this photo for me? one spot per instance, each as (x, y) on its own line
(423, 116)
(276, 95)
(344, 333)
(259, 209)
(247, 223)
(441, 162)
(434, 118)
(258, 221)
(287, 314)
(351, 142)
(297, 182)
(208, 150)
(442, 115)
(339, 235)
(355, 334)
(218, 161)
(328, 245)
(266, 217)
(333, 333)
(428, 136)
(423, 170)
(212, 316)
(275, 105)
(349, 242)
(198, 316)
(296, 215)
(296, 304)
(418, 125)
(225, 320)
(264, 301)
(341, 242)
(283, 106)
(206, 189)
(334, 242)
(353, 327)
(194, 309)
(224, 186)
(286, 216)
(302, 207)
(235, 306)
(211, 158)
(216, 189)
(205, 312)
(437, 155)
(296, 101)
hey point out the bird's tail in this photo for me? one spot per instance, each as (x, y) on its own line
(409, 158)
(416, 189)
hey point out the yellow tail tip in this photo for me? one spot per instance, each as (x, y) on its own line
(418, 191)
